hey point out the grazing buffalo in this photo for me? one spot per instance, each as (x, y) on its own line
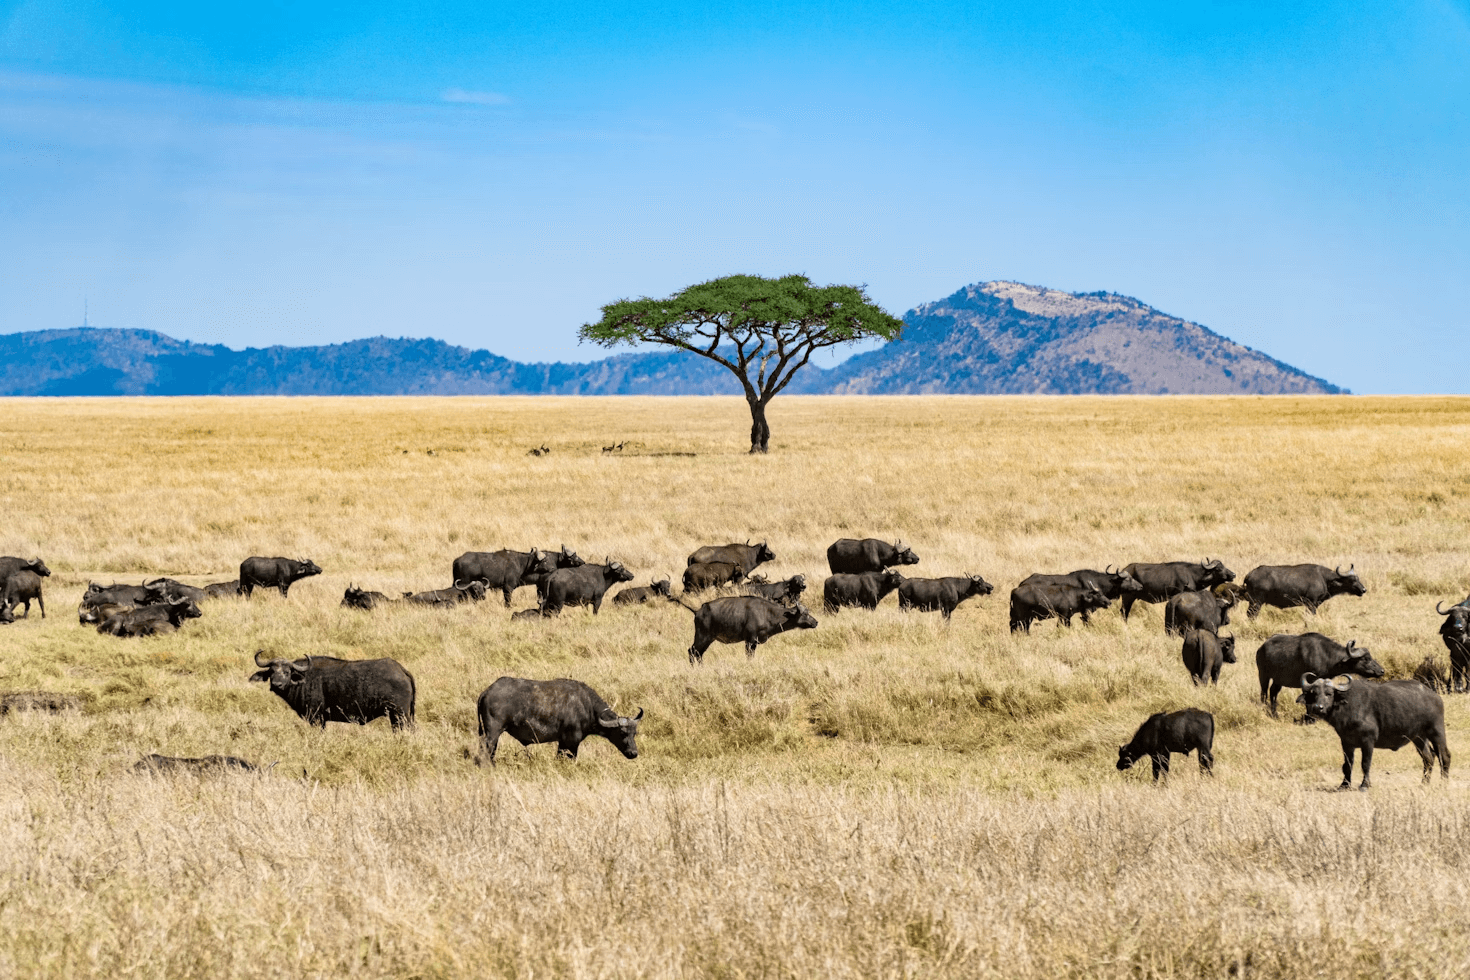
(563, 711)
(204, 765)
(1284, 658)
(744, 619)
(278, 573)
(1455, 631)
(711, 575)
(865, 590)
(940, 594)
(787, 591)
(637, 594)
(323, 689)
(849, 556)
(472, 591)
(509, 570)
(22, 587)
(1389, 716)
(1190, 730)
(9, 565)
(1114, 585)
(150, 620)
(583, 586)
(222, 590)
(124, 595)
(173, 589)
(1285, 586)
(1032, 602)
(746, 555)
(1203, 610)
(1160, 580)
(1205, 652)
(355, 598)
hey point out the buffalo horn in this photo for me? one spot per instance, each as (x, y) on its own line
(609, 724)
(1341, 682)
(1337, 570)
(1352, 644)
(1108, 569)
(460, 587)
(1439, 610)
(639, 715)
(259, 662)
(1308, 678)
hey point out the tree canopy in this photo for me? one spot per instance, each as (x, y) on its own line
(762, 330)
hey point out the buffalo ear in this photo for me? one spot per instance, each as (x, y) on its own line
(261, 675)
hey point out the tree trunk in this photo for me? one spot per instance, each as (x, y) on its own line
(760, 432)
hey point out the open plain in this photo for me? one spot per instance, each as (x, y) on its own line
(886, 795)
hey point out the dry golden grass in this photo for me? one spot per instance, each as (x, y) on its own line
(885, 795)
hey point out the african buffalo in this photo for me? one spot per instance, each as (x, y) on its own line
(126, 595)
(744, 619)
(849, 556)
(787, 591)
(507, 570)
(277, 573)
(150, 620)
(471, 591)
(323, 689)
(1160, 580)
(1388, 715)
(563, 711)
(866, 589)
(1455, 631)
(22, 587)
(203, 765)
(1284, 658)
(583, 586)
(173, 589)
(91, 615)
(1114, 585)
(1032, 602)
(711, 575)
(10, 565)
(747, 555)
(1202, 610)
(1285, 586)
(940, 594)
(526, 614)
(1184, 732)
(222, 590)
(636, 594)
(1205, 652)
(355, 598)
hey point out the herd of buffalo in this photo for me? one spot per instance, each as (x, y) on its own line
(1198, 598)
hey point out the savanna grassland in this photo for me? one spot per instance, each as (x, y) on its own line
(886, 795)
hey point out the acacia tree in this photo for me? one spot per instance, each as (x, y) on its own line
(762, 330)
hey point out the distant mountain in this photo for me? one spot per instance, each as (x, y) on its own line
(996, 337)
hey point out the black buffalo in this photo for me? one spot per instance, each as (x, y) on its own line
(1032, 602)
(1114, 585)
(787, 591)
(203, 765)
(123, 595)
(744, 619)
(849, 556)
(866, 589)
(222, 590)
(1284, 658)
(1203, 610)
(507, 570)
(277, 573)
(150, 620)
(711, 575)
(91, 615)
(1389, 716)
(174, 589)
(1190, 730)
(746, 555)
(940, 594)
(634, 595)
(1455, 631)
(323, 689)
(563, 711)
(583, 586)
(532, 613)
(355, 598)
(22, 587)
(9, 565)
(1160, 580)
(1205, 652)
(1285, 586)
(472, 591)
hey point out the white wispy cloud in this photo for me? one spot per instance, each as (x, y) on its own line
(474, 98)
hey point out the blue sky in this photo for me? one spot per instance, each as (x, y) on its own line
(1292, 176)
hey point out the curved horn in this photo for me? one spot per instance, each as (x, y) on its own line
(259, 662)
(639, 715)
(460, 587)
(1308, 678)
(1352, 644)
(308, 661)
(1439, 610)
(1108, 568)
(1352, 565)
(1341, 682)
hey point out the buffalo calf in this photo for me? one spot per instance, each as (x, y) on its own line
(1190, 730)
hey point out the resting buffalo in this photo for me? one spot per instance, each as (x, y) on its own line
(222, 590)
(125, 595)
(22, 587)
(1285, 586)
(200, 766)
(1203, 610)
(637, 594)
(744, 619)
(278, 573)
(472, 591)
(940, 594)
(173, 589)
(355, 598)
(711, 575)
(747, 555)
(1032, 602)
(90, 615)
(865, 590)
(150, 620)
(9, 565)
(1455, 631)
(509, 570)
(787, 591)
(1114, 585)
(1284, 658)
(1160, 580)
(526, 614)
(1190, 730)
(1205, 652)
(849, 556)
(323, 689)
(1389, 716)
(563, 711)
(584, 586)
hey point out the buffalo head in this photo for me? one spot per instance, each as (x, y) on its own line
(905, 556)
(621, 574)
(1457, 622)
(281, 675)
(308, 567)
(799, 617)
(764, 553)
(621, 732)
(1320, 693)
(1093, 599)
(892, 580)
(978, 586)
(661, 587)
(1227, 648)
(568, 559)
(1347, 582)
(1215, 572)
(1360, 661)
(39, 567)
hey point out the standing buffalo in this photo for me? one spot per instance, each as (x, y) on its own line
(1389, 716)
(787, 591)
(637, 594)
(1164, 733)
(150, 620)
(355, 598)
(472, 591)
(940, 594)
(746, 555)
(1032, 602)
(22, 587)
(323, 689)
(583, 586)
(509, 570)
(1285, 586)
(1204, 653)
(1455, 631)
(276, 573)
(1203, 610)
(563, 711)
(711, 575)
(1114, 585)
(744, 619)
(866, 589)
(1284, 658)
(9, 565)
(849, 556)
(1160, 580)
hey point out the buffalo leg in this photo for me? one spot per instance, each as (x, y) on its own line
(246, 587)
(1275, 690)
(750, 646)
(568, 749)
(1347, 768)
(1161, 765)
(596, 605)
(1086, 621)
(1254, 610)
(1426, 755)
(1127, 607)
(490, 738)
(1367, 765)
(1206, 762)
(41, 601)
(285, 590)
